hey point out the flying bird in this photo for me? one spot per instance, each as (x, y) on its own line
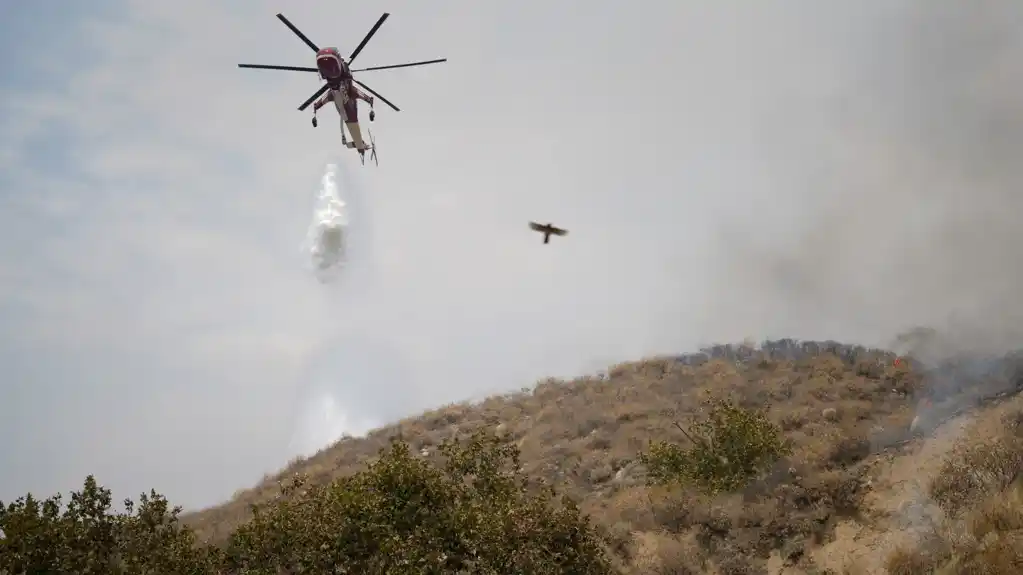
(547, 230)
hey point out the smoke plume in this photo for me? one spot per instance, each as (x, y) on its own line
(904, 187)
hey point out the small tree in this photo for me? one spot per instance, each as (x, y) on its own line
(730, 448)
(404, 515)
(87, 537)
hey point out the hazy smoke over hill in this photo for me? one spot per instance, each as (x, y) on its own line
(902, 181)
(891, 137)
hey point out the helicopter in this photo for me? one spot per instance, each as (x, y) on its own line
(340, 85)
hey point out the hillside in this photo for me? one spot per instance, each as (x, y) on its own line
(855, 488)
(892, 466)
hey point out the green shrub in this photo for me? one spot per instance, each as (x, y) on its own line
(404, 515)
(86, 537)
(476, 513)
(730, 448)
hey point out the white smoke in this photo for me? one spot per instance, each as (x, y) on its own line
(336, 243)
(342, 385)
(322, 422)
(327, 237)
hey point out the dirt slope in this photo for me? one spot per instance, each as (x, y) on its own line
(898, 511)
(855, 490)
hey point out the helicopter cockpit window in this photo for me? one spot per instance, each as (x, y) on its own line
(329, 66)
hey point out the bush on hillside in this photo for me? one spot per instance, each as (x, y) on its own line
(475, 513)
(86, 537)
(729, 449)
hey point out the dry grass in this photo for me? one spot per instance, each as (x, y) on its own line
(838, 405)
(979, 489)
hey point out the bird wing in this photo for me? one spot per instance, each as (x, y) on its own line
(559, 231)
(536, 227)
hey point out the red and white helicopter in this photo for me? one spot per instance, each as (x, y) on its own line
(340, 86)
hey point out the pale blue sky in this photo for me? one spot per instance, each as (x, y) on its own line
(783, 169)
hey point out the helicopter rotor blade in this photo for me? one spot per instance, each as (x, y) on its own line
(268, 67)
(305, 104)
(392, 66)
(307, 41)
(382, 99)
(369, 35)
